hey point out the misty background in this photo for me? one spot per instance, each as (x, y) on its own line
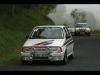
(63, 11)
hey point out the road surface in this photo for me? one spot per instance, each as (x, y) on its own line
(87, 58)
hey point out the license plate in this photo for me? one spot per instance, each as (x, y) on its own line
(40, 55)
(81, 32)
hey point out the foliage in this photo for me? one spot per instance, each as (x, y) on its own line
(16, 21)
(13, 9)
(78, 15)
(96, 32)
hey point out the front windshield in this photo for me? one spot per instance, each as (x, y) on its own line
(46, 33)
(81, 25)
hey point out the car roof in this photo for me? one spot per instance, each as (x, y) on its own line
(82, 23)
(52, 26)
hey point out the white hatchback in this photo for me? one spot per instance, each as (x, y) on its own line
(53, 43)
(82, 28)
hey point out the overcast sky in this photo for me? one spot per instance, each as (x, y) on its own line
(63, 11)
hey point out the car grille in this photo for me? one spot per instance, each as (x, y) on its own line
(45, 58)
(40, 53)
(81, 29)
(40, 50)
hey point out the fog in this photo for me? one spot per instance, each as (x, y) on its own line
(62, 14)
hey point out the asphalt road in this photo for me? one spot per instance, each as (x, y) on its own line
(87, 58)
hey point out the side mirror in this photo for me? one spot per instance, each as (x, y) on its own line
(27, 36)
(68, 36)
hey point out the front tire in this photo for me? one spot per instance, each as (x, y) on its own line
(88, 34)
(72, 56)
(65, 60)
(23, 62)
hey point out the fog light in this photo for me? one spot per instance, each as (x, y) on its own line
(50, 57)
(30, 57)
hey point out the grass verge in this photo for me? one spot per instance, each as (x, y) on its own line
(96, 32)
(10, 45)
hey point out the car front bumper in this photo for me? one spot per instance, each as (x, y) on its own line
(82, 32)
(52, 57)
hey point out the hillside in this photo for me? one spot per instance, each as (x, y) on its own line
(15, 26)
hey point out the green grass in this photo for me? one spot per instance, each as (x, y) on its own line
(96, 32)
(10, 45)
(13, 31)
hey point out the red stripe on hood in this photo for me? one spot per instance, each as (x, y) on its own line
(42, 43)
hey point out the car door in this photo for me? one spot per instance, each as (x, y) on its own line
(69, 41)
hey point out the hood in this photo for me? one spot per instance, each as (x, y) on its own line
(85, 28)
(44, 42)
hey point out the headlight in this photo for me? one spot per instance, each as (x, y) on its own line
(88, 29)
(24, 49)
(77, 30)
(56, 49)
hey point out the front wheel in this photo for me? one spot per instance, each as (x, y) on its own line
(23, 62)
(72, 56)
(88, 34)
(65, 60)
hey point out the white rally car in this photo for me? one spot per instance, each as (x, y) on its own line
(82, 28)
(53, 43)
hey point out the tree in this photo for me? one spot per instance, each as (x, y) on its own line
(65, 24)
(83, 17)
(75, 15)
(13, 10)
(78, 15)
